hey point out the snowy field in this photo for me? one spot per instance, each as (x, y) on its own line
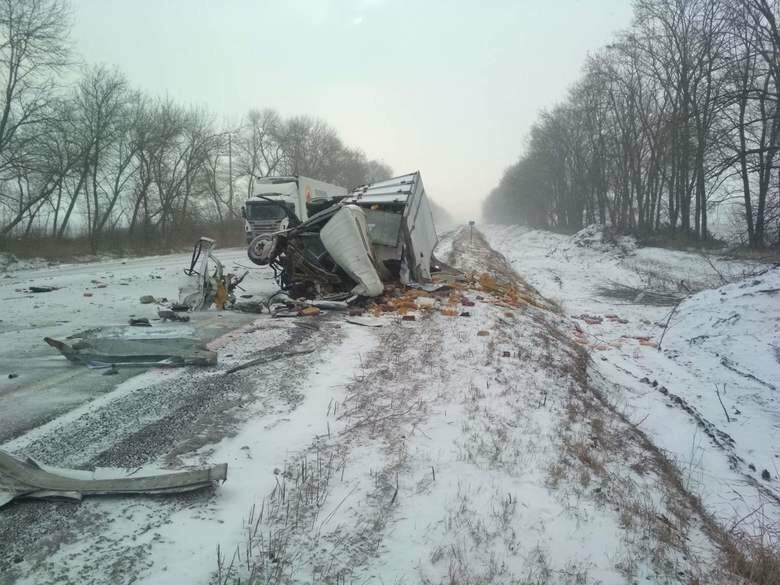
(707, 393)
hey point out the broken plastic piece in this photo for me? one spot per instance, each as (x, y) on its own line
(25, 478)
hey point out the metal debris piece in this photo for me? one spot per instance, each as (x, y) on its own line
(42, 289)
(329, 305)
(26, 478)
(284, 312)
(130, 346)
(207, 286)
(169, 315)
(249, 306)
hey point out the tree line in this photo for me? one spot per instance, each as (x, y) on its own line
(677, 116)
(84, 154)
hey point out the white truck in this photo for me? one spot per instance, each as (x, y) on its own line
(274, 198)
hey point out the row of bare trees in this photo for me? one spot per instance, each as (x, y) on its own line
(95, 157)
(678, 117)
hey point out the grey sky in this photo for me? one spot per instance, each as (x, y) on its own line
(449, 88)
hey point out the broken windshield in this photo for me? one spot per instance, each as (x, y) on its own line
(266, 210)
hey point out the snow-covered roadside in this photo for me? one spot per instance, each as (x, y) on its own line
(445, 449)
(708, 398)
(470, 450)
(184, 551)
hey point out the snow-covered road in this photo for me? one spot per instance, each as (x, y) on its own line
(36, 382)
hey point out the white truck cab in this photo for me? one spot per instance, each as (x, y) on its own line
(274, 198)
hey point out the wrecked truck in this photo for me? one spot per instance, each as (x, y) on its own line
(380, 233)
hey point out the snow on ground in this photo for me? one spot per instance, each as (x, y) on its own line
(10, 263)
(447, 449)
(466, 450)
(36, 382)
(705, 386)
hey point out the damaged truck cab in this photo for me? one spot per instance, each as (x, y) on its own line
(276, 199)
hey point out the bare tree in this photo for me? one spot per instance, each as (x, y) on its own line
(33, 51)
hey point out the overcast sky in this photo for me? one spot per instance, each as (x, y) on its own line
(447, 87)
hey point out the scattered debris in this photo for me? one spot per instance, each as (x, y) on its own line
(589, 319)
(329, 305)
(206, 287)
(104, 347)
(482, 333)
(147, 300)
(284, 312)
(42, 289)
(248, 307)
(364, 321)
(140, 322)
(12, 376)
(616, 319)
(170, 315)
(26, 478)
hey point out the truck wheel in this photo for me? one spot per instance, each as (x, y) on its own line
(262, 249)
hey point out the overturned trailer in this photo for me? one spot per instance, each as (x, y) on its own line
(382, 232)
(400, 225)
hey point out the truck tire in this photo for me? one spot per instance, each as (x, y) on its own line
(262, 249)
